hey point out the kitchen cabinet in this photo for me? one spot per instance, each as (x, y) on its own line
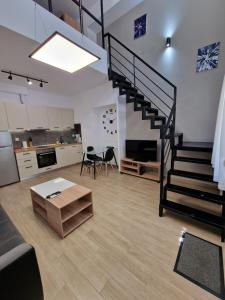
(68, 155)
(67, 118)
(38, 117)
(62, 156)
(27, 164)
(54, 118)
(75, 154)
(3, 117)
(17, 116)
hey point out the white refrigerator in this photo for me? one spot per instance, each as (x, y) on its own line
(8, 165)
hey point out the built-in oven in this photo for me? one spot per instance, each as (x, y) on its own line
(46, 157)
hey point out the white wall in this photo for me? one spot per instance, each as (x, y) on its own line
(86, 105)
(191, 24)
(9, 92)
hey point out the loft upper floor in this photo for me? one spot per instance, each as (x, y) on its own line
(82, 22)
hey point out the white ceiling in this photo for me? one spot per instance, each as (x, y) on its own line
(15, 49)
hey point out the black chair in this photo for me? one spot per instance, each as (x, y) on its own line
(90, 148)
(109, 155)
(93, 157)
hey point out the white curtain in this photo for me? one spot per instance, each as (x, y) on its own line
(218, 157)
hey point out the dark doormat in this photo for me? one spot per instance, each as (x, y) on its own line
(201, 262)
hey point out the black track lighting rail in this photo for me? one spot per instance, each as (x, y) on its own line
(24, 76)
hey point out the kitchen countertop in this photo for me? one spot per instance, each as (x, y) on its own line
(34, 148)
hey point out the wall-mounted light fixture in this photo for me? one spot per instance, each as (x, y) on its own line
(168, 42)
(28, 78)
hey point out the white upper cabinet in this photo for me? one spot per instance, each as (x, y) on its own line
(17, 116)
(67, 118)
(38, 117)
(54, 118)
(21, 117)
(3, 117)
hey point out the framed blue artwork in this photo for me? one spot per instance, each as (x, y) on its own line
(140, 25)
(208, 57)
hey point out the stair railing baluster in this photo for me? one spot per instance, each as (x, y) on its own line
(102, 24)
(134, 70)
(50, 6)
(110, 54)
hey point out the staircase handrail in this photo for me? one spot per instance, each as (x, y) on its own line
(142, 60)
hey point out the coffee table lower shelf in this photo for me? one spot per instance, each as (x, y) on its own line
(66, 212)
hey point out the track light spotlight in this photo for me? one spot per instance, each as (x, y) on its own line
(41, 84)
(29, 81)
(10, 76)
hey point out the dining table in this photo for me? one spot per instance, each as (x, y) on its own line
(98, 151)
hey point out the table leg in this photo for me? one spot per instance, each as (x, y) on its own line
(82, 165)
(115, 159)
(94, 169)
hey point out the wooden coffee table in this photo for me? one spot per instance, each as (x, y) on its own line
(66, 211)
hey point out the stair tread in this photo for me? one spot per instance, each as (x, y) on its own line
(196, 146)
(115, 74)
(199, 215)
(195, 193)
(150, 109)
(144, 102)
(193, 160)
(128, 87)
(192, 175)
(158, 118)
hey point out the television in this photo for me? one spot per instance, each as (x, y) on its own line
(141, 150)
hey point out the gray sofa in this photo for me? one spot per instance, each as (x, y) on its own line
(19, 271)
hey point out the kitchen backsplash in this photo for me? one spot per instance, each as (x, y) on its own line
(43, 137)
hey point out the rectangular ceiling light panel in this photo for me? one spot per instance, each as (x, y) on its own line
(60, 52)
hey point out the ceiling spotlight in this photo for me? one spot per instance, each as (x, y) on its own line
(10, 76)
(62, 53)
(168, 42)
(29, 81)
(41, 84)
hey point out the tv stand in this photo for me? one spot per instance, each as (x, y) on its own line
(148, 170)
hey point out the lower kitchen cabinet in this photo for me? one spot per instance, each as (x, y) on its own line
(27, 164)
(68, 155)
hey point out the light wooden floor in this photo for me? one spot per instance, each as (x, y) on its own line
(124, 252)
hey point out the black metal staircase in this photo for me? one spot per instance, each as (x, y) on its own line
(155, 96)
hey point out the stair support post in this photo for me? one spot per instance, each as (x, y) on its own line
(50, 6)
(110, 57)
(223, 216)
(162, 171)
(102, 24)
